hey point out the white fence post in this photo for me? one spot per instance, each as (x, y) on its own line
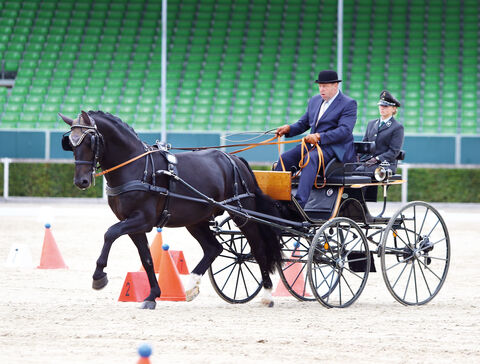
(104, 188)
(405, 185)
(6, 176)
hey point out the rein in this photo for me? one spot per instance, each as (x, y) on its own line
(126, 162)
(248, 146)
(321, 161)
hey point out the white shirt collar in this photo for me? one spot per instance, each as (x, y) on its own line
(380, 119)
(327, 103)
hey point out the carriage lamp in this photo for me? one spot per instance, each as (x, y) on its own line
(383, 172)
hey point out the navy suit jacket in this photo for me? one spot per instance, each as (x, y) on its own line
(388, 139)
(335, 126)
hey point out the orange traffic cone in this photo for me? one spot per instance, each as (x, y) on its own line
(135, 288)
(168, 279)
(156, 251)
(294, 276)
(144, 351)
(179, 260)
(51, 257)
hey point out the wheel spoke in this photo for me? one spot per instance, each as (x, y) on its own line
(251, 273)
(236, 283)
(408, 282)
(226, 267)
(437, 258)
(408, 237)
(325, 279)
(423, 222)
(352, 272)
(434, 226)
(400, 262)
(431, 271)
(400, 238)
(404, 267)
(243, 279)
(346, 282)
(359, 241)
(339, 287)
(228, 277)
(331, 284)
(228, 256)
(415, 279)
(424, 279)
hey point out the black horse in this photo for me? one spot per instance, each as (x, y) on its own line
(158, 189)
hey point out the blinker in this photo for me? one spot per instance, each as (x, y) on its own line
(66, 145)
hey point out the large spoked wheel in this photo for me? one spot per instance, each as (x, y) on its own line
(235, 275)
(293, 269)
(338, 263)
(415, 253)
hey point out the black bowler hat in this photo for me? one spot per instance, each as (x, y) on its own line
(327, 77)
(387, 99)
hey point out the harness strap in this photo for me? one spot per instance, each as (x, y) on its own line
(137, 185)
(171, 167)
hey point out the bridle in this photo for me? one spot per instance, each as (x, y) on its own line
(96, 142)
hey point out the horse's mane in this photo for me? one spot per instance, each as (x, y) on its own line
(109, 118)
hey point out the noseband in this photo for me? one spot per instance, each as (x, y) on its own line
(96, 139)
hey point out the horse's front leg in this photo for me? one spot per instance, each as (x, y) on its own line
(100, 279)
(141, 243)
(135, 223)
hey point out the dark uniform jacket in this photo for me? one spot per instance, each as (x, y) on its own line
(335, 126)
(388, 139)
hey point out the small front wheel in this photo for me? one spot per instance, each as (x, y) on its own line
(234, 274)
(338, 263)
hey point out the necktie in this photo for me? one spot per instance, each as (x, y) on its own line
(322, 110)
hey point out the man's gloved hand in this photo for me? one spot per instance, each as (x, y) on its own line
(281, 131)
(312, 138)
(371, 161)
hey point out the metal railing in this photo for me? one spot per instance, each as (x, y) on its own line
(404, 166)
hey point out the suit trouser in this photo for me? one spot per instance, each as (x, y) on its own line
(291, 159)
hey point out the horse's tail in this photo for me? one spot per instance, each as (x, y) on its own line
(270, 235)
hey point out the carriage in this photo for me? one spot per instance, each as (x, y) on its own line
(331, 247)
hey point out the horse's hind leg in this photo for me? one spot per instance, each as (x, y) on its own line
(252, 233)
(211, 249)
(141, 242)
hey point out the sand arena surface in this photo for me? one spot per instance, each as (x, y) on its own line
(53, 316)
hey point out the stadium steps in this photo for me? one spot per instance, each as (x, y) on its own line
(243, 65)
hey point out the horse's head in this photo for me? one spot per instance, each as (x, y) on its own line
(86, 143)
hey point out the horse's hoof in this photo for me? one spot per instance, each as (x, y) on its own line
(100, 283)
(191, 294)
(148, 305)
(267, 303)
